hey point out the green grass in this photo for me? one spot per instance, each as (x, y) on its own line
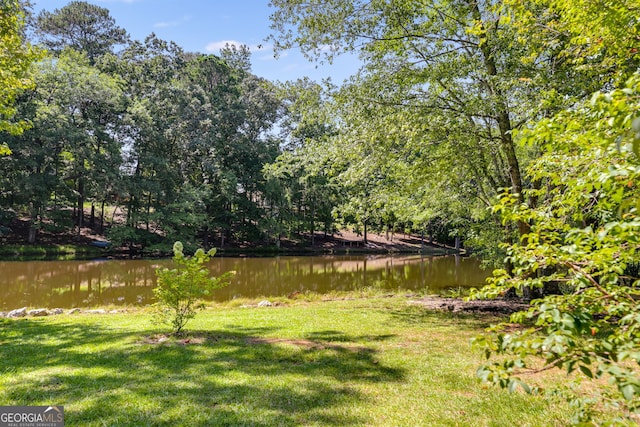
(373, 362)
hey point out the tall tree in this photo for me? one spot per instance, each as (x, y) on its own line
(16, 57)
(81, 26)
(302, 193)
(455, 72)
(198, 130)
(70, 152)
(148, 71)
(584, 229)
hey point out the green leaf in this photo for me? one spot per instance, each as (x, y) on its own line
(628, 391)
(586, 371)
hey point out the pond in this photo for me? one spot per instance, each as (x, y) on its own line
(68, 284)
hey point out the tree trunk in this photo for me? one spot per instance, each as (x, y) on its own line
(131, 211)
(365, 233)
(33, 232)
(504, 122)
(148, 211)
(205, 238)
(80, 205)
(313, 224)
(102, 216)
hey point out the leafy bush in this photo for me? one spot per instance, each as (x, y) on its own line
(7, 216)
(585, 234)
(122, 235)
(180, 290)
(127, 236)
(59, 220)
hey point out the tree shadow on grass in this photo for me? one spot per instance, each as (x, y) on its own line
(232, 376)
(339, 336)
(416, 314)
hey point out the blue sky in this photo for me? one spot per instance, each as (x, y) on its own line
(206, 25)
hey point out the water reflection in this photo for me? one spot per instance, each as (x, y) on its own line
(87, 283)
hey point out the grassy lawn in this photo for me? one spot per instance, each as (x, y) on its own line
(375, 362)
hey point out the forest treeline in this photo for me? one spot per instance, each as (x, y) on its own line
(158, 144)
(162, 144)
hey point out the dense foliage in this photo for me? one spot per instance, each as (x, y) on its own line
(583, 244)
(16, 56)
(426, 128)
(156, 143)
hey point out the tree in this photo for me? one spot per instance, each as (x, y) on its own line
(70, 152)
(584, 239)
(199, 133)
(301, 193)
(81, 26)
(302, 190)
(90, 107)
(16, 57)
(451, 86)
(599, 37)
(456, 74)
(148, 70)
(180, 290)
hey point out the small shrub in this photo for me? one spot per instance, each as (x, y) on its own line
(180, 290)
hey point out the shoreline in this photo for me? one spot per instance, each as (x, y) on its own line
(344, 243)
(430, 302)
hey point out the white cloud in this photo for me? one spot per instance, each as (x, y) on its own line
(168, 24)
(216, 46)
(328, 48)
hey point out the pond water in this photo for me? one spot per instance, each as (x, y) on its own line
(68, 284)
